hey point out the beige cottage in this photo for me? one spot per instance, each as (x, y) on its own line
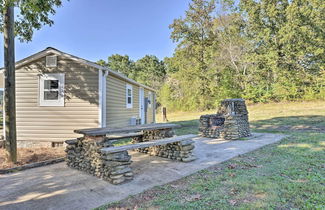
(57, 93)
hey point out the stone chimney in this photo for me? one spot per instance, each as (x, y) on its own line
(232, 121)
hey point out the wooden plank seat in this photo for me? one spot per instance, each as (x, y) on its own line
(123, 135)
(184, 140)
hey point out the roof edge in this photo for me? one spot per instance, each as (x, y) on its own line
(49, 50)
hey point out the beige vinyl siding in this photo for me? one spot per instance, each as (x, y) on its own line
(2, 85)
(56, 123)
(117, 115)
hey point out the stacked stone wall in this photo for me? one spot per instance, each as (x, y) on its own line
(182, 151)
(84, 154)
(206, 129)
(235, 127)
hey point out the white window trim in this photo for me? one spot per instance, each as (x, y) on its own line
(60, 101)
(128, 87)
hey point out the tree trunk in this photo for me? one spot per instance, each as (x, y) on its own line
(164, 114)
(10, 93)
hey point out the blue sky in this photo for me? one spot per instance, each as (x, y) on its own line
(95, 29)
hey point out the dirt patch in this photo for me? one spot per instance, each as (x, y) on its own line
(31, 155)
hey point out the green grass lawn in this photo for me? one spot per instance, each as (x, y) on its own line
(286, 175)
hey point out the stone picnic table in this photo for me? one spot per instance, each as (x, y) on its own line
(129, 129)
(95, 153)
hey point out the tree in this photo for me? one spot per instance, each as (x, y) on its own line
(123, 64)
(288, 39)
(33, 14)
(228, 58)
(120, 63)
(194, 35)
(150, 71)
(194, 32)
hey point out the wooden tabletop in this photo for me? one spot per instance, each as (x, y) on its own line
(135, 128)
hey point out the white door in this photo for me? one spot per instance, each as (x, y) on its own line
(141, 105)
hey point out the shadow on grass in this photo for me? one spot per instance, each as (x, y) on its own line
(307, 123)
(188, 127)
(284, 175)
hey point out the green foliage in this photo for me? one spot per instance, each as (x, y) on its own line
(148, 70)
(120, 63)
(205, 67)
(190, 81)
(288, 51)
(33, 15)
(268, 50)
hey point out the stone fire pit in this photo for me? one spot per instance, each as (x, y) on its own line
(230, 123)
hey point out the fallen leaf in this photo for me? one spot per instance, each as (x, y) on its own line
(174, 186)
(233, 191)
(232, 174)
(232, 202)
(232, 166)
(193, 197)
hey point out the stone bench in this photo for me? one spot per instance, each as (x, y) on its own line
(118, 161)
(112, 163)
(182, 140)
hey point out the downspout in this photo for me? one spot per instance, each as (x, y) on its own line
(100, 98)
(104, 83)
(102, 75)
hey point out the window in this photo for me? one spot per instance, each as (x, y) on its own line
(51, 61)
(150, 100)
(51, 90)
(129, 96)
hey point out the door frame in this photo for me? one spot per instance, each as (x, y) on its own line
(141, 105)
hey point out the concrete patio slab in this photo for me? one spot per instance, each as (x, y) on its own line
(59, 187)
